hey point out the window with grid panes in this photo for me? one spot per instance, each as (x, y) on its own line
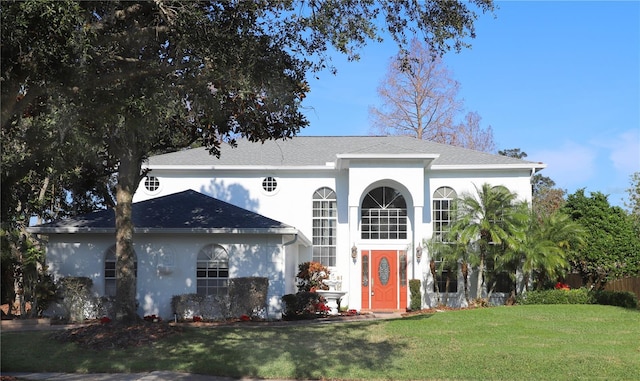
(325, 220)
(383, 215)
(110, 271)
(443, 199)
(212, 271)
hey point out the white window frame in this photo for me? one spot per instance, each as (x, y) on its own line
(387, 219)
(325, 226)
(212, 271)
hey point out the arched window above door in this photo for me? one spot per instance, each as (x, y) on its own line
(383, 214)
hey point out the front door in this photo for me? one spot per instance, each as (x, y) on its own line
(384, 280)
(382, 287)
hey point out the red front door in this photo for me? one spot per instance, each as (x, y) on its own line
(384, 283)
(384, 280)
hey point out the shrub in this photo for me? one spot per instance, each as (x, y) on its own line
(416, 296)
(303, 305)
(624, 299)
(310, 276)
(75, 296)
(580, 296)
(556, 296)
(210, 307)
(248, 296)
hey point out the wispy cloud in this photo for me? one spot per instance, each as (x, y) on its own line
(570, 165)
(624, 151)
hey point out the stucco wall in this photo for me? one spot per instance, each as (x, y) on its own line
(249, 255)
(292, 202)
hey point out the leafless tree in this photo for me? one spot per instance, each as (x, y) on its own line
(470, 134)
(420, 98)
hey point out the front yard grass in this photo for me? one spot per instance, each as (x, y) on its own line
(532, 342)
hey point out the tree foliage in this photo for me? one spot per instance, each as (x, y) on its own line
(491, 220)
(612, 248)
(420, 99)
(129, 79)
(633, 203)
(498, 234)
(542, 252)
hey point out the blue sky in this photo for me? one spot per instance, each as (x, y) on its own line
(559, 80)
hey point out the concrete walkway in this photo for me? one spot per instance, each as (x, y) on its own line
(157, 375)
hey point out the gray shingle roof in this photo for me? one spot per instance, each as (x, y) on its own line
(188, 210)
(318, 150)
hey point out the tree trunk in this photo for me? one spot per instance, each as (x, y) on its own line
(128, 180)
(432, 267)
(465, 277)
(480, 276)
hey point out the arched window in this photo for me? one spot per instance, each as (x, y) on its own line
(212, 273)
(110, 271)
(384, 214)
(443, 199)
(325, 220)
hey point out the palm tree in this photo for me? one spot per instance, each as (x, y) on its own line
(488, 219)
(445, 254)
(565, 234)
(543, 251)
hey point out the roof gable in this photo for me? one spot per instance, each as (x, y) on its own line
(187, 210)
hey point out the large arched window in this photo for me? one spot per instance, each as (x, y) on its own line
(325, 220)
(443, 199)
(110, 271)
(383, 214)
(212, 273)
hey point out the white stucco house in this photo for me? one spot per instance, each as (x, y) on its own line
(361, 205)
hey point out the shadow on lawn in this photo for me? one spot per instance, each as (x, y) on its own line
(314, 351)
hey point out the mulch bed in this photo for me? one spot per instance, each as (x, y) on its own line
(115, 336)
(112, 335)
(97, 336)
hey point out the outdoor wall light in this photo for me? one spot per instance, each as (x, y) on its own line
(418, 253)
(354, 252)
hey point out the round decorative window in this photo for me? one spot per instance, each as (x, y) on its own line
(151, 183)
(269, 184)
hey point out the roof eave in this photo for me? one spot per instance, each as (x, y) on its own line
(138, 230)
(528, 166)
(328, 165)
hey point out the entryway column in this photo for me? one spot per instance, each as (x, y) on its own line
(418, 235)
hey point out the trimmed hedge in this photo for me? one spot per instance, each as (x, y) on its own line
(416, 296)
(579, 296)
(302, 305)
(245, 296)
(624, 299)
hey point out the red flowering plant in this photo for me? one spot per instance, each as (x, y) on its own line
(321, 306)
(562, 286)
(310, 276)
(152, 318)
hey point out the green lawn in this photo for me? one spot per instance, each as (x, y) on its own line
(545, 342)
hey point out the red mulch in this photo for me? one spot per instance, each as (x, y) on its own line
(116, 336)
(113, 335)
